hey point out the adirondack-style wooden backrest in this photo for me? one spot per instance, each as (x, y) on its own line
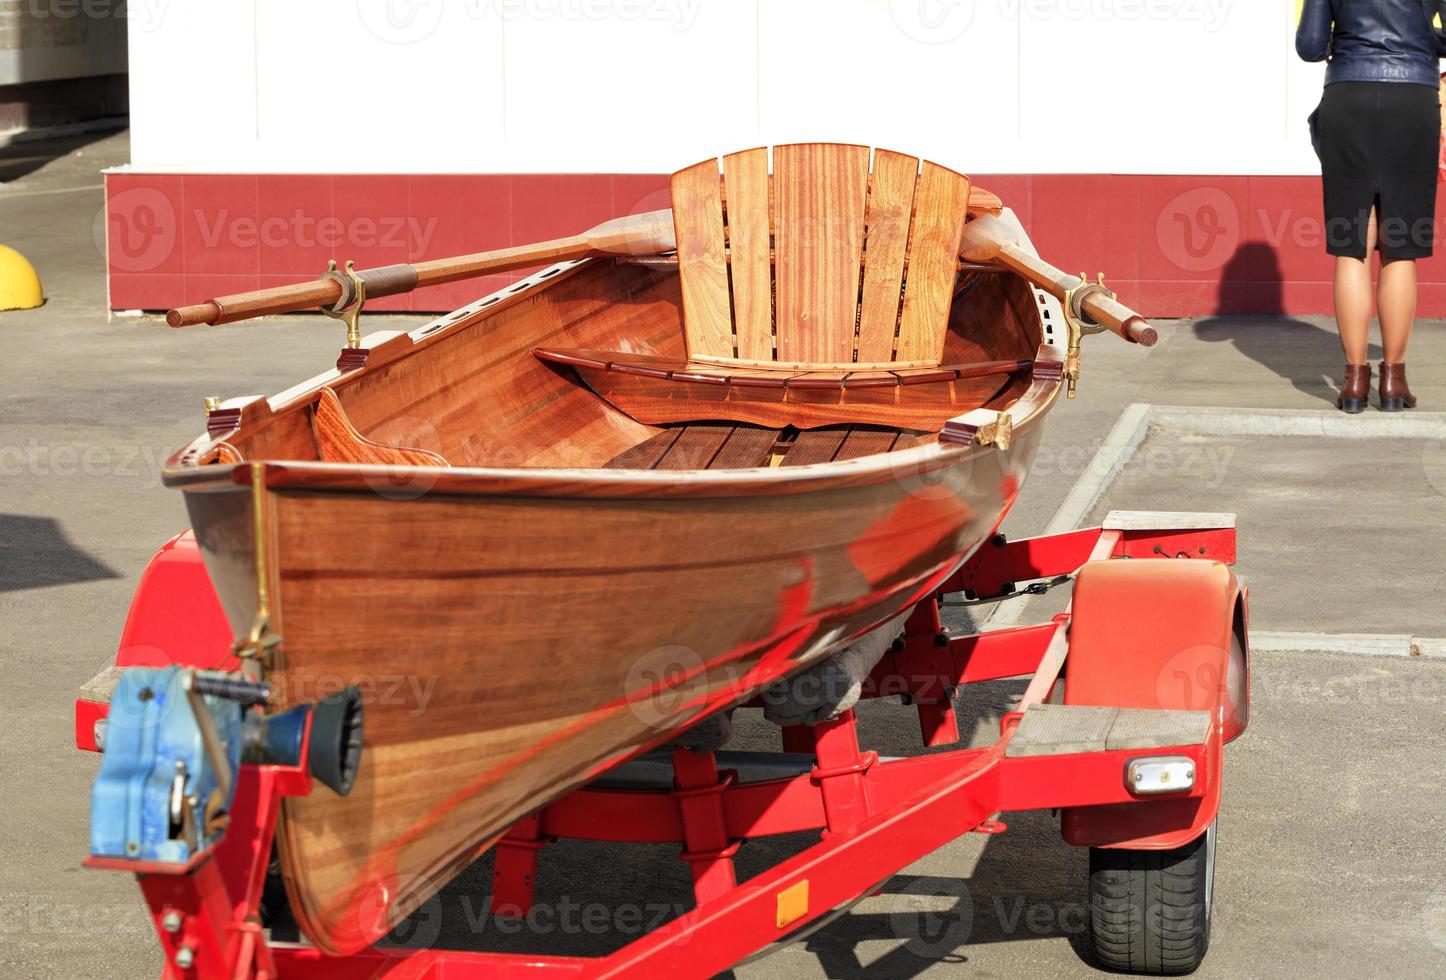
(827, 263)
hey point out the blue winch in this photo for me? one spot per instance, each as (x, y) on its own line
(174, 741)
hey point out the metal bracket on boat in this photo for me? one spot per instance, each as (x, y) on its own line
(257, 645)
(999, 433)
(348, 310)
(1080, 325)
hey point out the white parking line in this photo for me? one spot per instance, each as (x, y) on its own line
(1135, 423)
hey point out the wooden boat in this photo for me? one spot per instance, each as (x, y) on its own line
(587, 511)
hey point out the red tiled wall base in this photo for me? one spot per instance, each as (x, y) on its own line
(1171, 246)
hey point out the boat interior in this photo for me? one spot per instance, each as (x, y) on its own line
(816, 310)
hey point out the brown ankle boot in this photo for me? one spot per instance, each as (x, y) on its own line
(1395, 395)
(1355, 389)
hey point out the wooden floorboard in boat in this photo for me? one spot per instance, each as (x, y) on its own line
(815, 446)
(865, 442)
(645, 455)
(696, 447)
(747, 447)
(719, 446)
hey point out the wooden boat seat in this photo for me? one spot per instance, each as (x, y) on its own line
(766, 376)
(659, 390)
(817, 294)
(722, 446)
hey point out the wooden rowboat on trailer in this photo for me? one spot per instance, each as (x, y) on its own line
(705, 450)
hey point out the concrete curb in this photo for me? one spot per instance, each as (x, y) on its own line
(1205, 421)
(1360, 644)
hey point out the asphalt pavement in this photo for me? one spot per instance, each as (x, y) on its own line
(1330, 863)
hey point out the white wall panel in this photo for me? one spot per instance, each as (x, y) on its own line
(193, 84)
(1146, 86)
(377, 85)
(629, 85)
(910, 75)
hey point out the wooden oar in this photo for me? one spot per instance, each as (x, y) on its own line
(638, 234)
(988, 240)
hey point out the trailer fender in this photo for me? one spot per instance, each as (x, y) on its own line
(175, 617)
(1159, 633)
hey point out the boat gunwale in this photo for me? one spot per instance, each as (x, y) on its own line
(182, 472)
(596, 482)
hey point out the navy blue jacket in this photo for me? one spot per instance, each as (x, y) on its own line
(1373, 40)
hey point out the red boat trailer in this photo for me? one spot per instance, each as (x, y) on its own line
(1156, 645)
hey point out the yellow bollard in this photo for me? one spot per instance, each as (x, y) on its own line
(19, 283)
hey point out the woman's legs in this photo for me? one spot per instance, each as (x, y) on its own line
(1396, 300)
(1353, 298)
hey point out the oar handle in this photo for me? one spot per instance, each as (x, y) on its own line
(640, 234)
(333, 289)
(987, 239)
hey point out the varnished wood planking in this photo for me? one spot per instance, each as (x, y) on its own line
(919, 406)
(891, 202)
(746, 447)
(941, 202)
(645, 455)
(702, 259)
(820, 191)
(695, 448)
(340, 442)
(486, 580)
(863, 441)
(498, 734)
(745, 178)
(815, 446)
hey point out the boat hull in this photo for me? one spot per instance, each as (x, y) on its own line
(510, 647)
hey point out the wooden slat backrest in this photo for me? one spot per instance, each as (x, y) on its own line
(698, 223)
(745, 177)
(826, 263)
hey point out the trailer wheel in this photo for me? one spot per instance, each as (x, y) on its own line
(1150, 910)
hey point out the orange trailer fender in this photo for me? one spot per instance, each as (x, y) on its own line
(1159, 633)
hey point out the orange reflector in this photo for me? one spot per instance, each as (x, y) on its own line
(792, 903)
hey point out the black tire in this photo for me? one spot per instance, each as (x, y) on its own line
(1150, 910)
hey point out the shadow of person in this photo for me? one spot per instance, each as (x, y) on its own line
(1250, 314)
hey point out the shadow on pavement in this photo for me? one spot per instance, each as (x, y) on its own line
(34, 553)
(24, 156)
(1307, 356)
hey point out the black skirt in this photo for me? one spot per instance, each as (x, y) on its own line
(1380, 146)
